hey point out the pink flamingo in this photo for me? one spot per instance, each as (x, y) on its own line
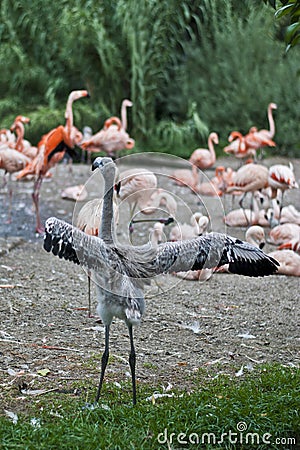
(289, 262)
(134, 183)
(283, 233)
(281, 178)
(11, 161)
(186, 177)
(203, 158)
(255, 235)
(21, 144)
(238, 147)
(113, 137)
(261, 135)
(218, 184)
(51, 150)
(125, 104)
(244, 217)
(197, 226)
(293, 244)
(246, 146)
(139, 188)
(7, 138)
(182, 232)
(249, 178)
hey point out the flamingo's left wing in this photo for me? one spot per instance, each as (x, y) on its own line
(211, 251)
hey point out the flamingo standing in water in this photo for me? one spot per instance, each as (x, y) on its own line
(51, 150)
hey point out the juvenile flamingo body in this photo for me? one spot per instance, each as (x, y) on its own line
(122, 271)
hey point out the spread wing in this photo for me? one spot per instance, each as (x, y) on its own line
(68, 242)
(214, 250)
(209, 251)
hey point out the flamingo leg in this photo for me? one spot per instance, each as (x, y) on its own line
(10, 193)
(242, 200)
(35, 197)
(104, 361)
(281, 205)
(132, 361)
(89, 296)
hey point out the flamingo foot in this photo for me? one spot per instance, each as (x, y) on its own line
(40, 229)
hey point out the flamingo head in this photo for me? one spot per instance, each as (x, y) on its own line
(234, 135)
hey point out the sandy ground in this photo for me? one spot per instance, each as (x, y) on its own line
(47, 340)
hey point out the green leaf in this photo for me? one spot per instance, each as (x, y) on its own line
(290, 31)
(284, 10)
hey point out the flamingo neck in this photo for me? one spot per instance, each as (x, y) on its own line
(107, 229)
(211, 148)
(69, 116)
(271, 121)
(124, 116)
(20, 131)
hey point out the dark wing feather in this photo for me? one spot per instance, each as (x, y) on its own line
(211, 251)
(68, 242)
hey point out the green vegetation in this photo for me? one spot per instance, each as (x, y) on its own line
(289, 11)
(264, 404)
(189, 68)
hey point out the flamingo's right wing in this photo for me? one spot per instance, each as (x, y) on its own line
(211, 251)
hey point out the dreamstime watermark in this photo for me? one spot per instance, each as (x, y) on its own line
(239, 436)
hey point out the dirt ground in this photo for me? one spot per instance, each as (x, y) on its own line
(47, 340)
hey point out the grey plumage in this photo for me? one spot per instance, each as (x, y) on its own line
(120, 272)
(144, 262)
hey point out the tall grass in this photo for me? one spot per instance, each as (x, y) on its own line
(239, 68)
(189, 67)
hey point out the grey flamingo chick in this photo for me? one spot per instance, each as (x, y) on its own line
(121, 271)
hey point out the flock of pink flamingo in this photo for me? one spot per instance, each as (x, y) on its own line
(139, 187)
